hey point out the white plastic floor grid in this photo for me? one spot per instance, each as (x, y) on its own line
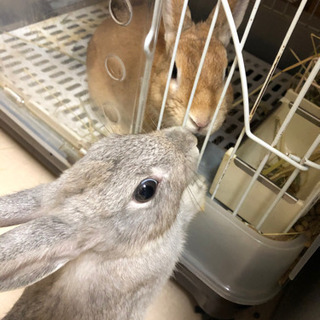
(44, 64)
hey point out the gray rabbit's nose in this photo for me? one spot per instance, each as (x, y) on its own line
(181, 136)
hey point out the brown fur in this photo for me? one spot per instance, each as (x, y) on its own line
(125, 41)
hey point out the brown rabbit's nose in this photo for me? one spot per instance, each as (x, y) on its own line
(199, 123)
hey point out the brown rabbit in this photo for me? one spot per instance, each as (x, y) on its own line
(100, 241)
(115, 97)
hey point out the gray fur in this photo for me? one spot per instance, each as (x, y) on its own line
(87, 250)
(20, 207)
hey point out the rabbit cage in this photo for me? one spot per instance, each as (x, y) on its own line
(261, 221)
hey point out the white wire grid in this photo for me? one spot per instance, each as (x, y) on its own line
(47, 61)
(43, 66)
(283, 8)
(248, 114)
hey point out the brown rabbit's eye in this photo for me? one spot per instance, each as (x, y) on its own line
(146, 190)
(174, 73)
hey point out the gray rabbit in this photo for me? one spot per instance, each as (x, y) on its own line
(101, 240)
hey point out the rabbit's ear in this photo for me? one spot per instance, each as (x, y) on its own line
(32, 251)
(222, 30)
(171, 16)
(20, 207)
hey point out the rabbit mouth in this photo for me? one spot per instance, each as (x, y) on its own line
(197, 128)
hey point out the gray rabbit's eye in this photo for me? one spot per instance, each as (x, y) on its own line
(146, 190)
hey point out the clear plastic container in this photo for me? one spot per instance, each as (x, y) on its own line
(43, 66)
(235, 261)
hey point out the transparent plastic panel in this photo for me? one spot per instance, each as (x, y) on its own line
(115, 63)
(44, 67)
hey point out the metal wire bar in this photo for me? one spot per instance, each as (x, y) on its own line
(309, 202)
(227, 83)
(244, 88)
(237, 143)
(282, 128)
(203, 56)
(228, 164)
(278, 56)
(173, 58)
(285, 8)
(314, 10)
(307, 162)
(303, 78)
(149, 48)
(288, 183)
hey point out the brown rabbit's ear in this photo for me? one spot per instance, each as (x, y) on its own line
(171, 13)
(222, 30)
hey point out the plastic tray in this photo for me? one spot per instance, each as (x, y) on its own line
(236, 262)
